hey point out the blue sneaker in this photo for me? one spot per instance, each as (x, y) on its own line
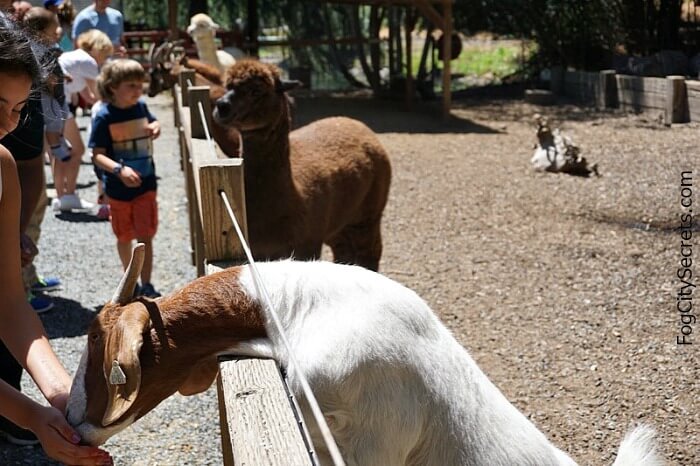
(46, 284)
(39, 304)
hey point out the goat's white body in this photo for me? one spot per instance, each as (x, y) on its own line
(396, 386)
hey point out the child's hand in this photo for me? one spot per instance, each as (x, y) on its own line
(60, 441)
(153, 129)
(130, 177)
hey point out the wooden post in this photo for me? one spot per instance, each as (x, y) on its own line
(446, 59)
(221, 242)
(409, 26)
(607, 89)
(184, 79)
(676, 100)
(197, 95)
(556, 82)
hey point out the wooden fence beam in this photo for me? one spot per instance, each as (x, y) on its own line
(607, 89)
(676, 100)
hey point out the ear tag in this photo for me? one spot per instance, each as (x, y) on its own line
(117, 376)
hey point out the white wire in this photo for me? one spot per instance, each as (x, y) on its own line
(272, 316)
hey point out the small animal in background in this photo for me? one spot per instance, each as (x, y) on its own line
(555, 152)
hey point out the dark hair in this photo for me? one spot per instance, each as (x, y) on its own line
(18, 52)
(37, 19)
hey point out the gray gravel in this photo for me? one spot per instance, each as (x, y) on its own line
(562, 288)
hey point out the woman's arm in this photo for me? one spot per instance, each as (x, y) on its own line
(22, 331)
(23, 334)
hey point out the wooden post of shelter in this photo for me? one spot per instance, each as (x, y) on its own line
(447, 59)
(409, 25)
(172, 20)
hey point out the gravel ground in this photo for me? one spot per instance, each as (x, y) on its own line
(562, 288)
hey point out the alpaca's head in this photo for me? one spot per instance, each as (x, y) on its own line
(255, 98)
(201, 25)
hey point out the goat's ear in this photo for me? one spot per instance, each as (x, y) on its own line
(284, 85)
(122, 368)
(200, 377)
(125, 290)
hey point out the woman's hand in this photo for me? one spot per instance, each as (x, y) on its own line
(130, 177)
(27, 249)
(60, 441)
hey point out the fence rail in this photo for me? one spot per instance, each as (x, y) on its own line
(260, 422)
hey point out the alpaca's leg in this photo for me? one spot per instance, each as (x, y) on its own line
(359, 244)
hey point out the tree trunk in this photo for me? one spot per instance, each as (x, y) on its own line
(198, 6)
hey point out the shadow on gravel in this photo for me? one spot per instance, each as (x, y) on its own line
(29, 456)
(50, 184)
(385, 116)
(68, 318)
(79, 217)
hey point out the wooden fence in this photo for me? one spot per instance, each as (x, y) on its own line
(260, 422)
(677, 98)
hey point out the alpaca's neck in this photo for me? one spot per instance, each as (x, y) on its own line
(268, 147)
(206, 49)
(213, 321)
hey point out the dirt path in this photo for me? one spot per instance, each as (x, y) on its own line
(563, 289)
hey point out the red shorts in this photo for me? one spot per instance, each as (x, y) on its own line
(135, 219)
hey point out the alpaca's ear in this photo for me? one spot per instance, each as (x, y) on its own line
(284, 85)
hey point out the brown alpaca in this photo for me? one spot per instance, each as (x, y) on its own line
(326, 182)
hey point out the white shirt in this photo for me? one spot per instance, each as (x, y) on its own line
(80, 66)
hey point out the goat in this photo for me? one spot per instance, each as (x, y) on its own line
(164, 71)
(202, 29)
(165, 67)
(555, 152)
(395, 386)
(327, 182)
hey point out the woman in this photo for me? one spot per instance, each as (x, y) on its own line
(21, 330)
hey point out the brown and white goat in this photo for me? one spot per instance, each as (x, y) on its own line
(327, 182)
(165, 65)
(395, 386)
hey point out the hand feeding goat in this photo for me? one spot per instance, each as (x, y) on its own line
(555, 152)
(396, 388)
(327, 182)
(202, 29)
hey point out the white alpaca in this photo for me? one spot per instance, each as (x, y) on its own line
(202, 29)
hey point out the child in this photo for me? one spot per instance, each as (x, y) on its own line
(65, 144)
(83, 64)
(121, 142)
(21, 331)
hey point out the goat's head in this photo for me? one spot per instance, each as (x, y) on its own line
(255, 97)
(124, 372)
(162, 70)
